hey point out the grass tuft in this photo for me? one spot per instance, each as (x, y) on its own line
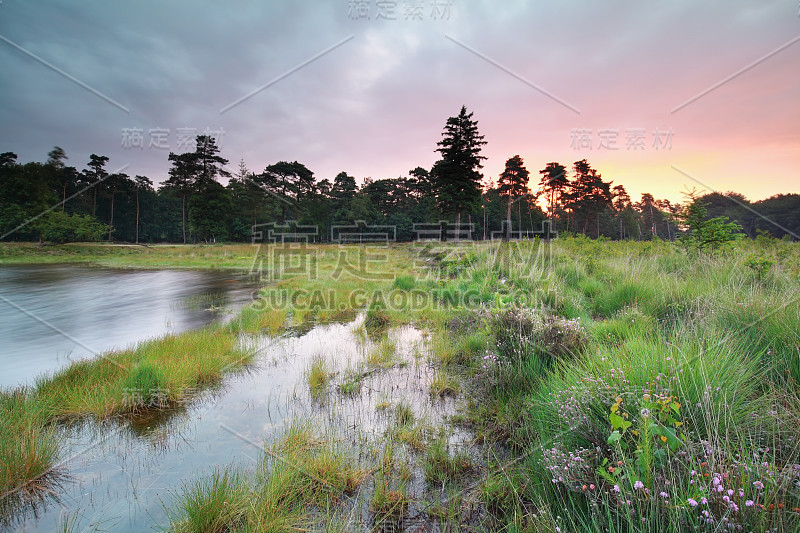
(317, 376)
(443, 384)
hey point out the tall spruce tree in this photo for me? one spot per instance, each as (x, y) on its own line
(455, 177)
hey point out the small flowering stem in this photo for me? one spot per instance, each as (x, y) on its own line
(646, 457)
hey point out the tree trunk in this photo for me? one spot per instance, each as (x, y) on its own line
(507, 235)
(111, 220)
(137, 218)
(183, 217)
(598, 225)
(64, 197)
(484, 220)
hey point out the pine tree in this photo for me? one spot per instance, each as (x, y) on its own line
(141, 184)
(96, 175)
(181, 177)
(512, 184)
(553, 183)
(455, 177)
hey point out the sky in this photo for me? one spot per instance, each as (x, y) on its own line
(661, 97)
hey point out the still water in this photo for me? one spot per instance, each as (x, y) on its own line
(53, 314)
(124, 475)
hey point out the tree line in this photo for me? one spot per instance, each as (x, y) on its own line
(54, 202)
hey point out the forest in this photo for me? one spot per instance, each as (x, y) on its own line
(202, 201)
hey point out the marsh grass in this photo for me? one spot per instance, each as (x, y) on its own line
(297, 474)
(443, 384)
(251, 320)
(415, 435)
(149, 384)
(155, 374)
(231, 256)
(168, 372)
(160, 373)
(383, 355)
(217, 502)
(442, 467)
(29, 451)
(706, 336)
(406, 427)
(351, 383)
(390, 500)
(698, 353)
(404, 414)
(377, 319)
(317, 376)
(705, 339)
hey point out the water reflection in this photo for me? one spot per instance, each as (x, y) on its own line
(124, 474)
(53, 314)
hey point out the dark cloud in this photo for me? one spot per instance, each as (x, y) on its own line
(375, 105)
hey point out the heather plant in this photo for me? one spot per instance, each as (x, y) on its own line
(521, 333)
(662, 441)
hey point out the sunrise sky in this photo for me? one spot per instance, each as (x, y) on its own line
(367, 86)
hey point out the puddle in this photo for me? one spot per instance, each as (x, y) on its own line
(122, 475)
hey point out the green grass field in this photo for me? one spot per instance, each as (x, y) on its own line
(615, 386)
(239, 256)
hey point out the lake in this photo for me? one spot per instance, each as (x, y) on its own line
(53, 314)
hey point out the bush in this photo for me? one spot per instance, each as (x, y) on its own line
(519, 333)
(561, 337)
(59, 228)
(759, 264)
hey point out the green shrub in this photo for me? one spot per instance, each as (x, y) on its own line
(58, 227)
(759, 264)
